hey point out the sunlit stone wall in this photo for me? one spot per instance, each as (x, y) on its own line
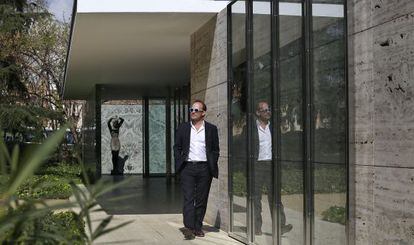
(381, 83)
(209, 83)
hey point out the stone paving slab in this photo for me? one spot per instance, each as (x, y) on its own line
(157, 229)
(151, 229)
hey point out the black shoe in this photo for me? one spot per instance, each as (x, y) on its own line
(258, 232)
(188, 233)
(286, 228)
(198, 233)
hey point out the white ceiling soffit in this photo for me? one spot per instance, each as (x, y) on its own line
(144, 43)
(150, 6)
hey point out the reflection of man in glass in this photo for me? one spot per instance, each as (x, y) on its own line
(262, 140)
(114, 124)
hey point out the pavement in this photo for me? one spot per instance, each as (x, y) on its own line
(157, 229)
(154, 209)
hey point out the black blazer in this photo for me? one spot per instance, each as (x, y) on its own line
(182, 146)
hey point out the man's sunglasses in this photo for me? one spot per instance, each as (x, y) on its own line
(195, 110)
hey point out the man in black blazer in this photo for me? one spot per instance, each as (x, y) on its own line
(196, 152)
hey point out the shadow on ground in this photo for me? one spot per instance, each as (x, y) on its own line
(142, 196)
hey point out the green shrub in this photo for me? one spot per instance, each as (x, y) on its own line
(45, 187)
(67, 226)
(292, 179)
(26, 222)
(239, 184)
(72, 226)
(70, 171)
(335, 214)
(327, 179)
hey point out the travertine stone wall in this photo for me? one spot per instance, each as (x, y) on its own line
(209, 83)
(381, 86)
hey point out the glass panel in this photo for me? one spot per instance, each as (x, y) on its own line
(329, 122)
(291, 123)
(261, 141)
(156, 130)
(130, 157)
(238, 158)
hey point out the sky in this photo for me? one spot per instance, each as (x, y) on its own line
(62, 9)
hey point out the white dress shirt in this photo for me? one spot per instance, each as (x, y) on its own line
(197, 144)
(265, 142)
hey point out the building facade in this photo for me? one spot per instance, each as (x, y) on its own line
(338, 79)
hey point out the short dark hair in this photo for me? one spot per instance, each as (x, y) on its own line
(201, 102)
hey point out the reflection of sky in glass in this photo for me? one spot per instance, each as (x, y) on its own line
(61, 9)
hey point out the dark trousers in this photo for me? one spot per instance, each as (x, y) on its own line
(195, 183)
(263, 178)
(115, 167)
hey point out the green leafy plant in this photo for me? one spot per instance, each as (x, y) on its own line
(239, 184)
(63, 169)
(16, 213)
(66, 227)
(335, 214)
(45, 187)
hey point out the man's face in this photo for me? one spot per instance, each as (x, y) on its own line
(263, 112)
(197, 116)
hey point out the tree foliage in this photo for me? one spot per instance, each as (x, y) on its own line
(33, 48)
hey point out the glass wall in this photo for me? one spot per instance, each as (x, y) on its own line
(260, 86)
(238, 122)
(328, 121)
(290, 122)
(288, 137)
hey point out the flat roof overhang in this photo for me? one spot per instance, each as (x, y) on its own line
(127, 43)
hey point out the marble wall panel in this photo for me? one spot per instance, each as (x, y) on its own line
(359, 15)
(218, 206)
(216, 101)
(361, 99)
(130, 137)
(385, 10)
(361, 73)
(394, 89)
(208, 54)
(157, 139)
(393, 209)
(364, 200)
(365, 14)
(381, 80)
